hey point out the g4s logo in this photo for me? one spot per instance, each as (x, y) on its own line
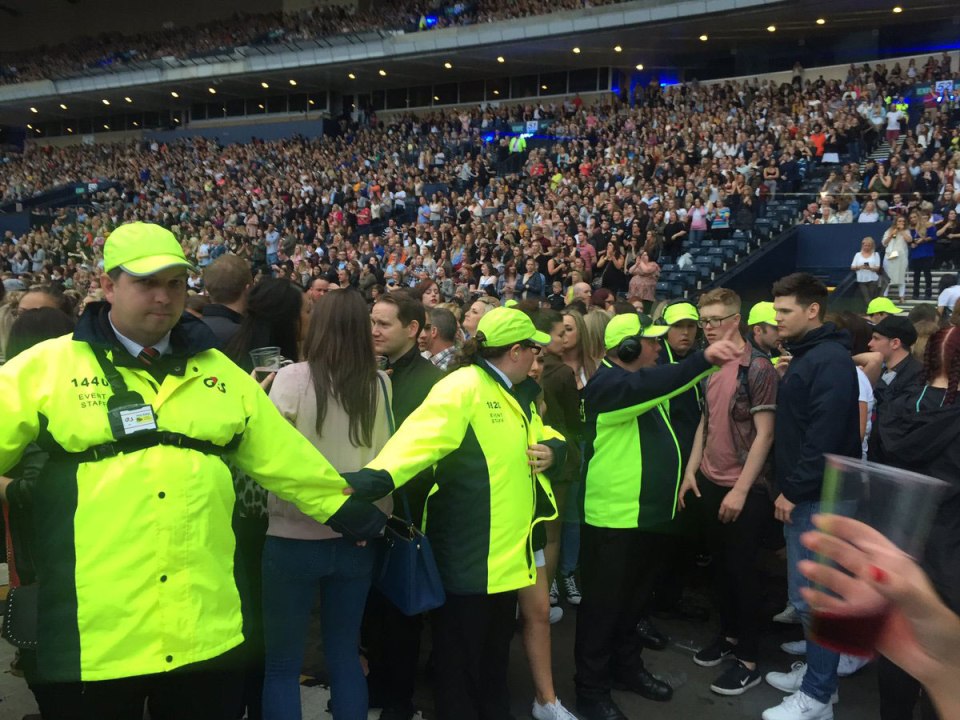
(213, 382)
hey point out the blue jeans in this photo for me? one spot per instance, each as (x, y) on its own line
(293, 570)
(820, 680)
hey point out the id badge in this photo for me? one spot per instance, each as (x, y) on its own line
(128, 420)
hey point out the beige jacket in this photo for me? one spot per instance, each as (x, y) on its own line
(293, 394)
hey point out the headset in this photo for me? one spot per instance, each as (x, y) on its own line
(629, 349)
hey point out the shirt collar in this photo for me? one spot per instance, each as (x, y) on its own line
(162, 346)
(502, 374)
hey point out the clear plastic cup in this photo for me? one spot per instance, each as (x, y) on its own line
(266, 360)
(382, 362)
(897, 503)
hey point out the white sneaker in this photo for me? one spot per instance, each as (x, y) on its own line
(789, 682)
(799, 706)
(554, 593)
(570, 590)
(551, 711)
(797, 647)
(556, 614)
(850, 664)
(788, 616)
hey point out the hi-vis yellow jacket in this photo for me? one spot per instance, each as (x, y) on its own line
(481, 513)
(134, 550)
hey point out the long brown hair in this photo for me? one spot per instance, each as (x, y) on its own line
(339, 351)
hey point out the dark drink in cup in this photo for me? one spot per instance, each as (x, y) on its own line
(849, 632)
(898, 504)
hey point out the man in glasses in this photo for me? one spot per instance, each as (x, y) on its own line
(729, 473)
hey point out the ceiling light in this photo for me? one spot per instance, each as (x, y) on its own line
(69, 130)
(576, 51)
(383, 73)
(500, 59)
(821, 21)
(436, 98)
(617, 48)
(704, 37)
(260, 106)
(639, 66)
(448, 66)
(496, 92)
(898, 9)
(107, 102)
(34, 110)
(37, 130)
(29, 126)
(62, 106)
(136, 124)
(127, 99)
(351, 76)
(771, 28)
(174, 94)
(293, 82)
(310, 102)
(543, 87)
(177, 120)
(106, 127)
(212, 91)
(265, 85)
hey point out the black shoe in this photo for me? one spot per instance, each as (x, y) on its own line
(714, 653)
(395, 713)
(736, 680)
(650, 636)
(603, 708)
(644, 684)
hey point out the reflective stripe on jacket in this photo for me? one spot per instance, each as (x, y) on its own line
(632, 457)
(480, 515)
(135, 551)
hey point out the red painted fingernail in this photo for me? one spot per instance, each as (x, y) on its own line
(877, 574)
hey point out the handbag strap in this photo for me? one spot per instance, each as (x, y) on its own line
(386, 404)
(405, 503)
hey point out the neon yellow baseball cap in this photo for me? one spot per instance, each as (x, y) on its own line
(142, 249)
(762, 312)
(680, 311)
(502, 327)
(883, 305)
(628, 325)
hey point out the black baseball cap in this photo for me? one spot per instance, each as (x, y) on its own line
(899, 327)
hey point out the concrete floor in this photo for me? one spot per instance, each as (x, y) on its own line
(692, 698)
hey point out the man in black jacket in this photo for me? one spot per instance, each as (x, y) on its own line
(228, 280)
(902, 373)
(394, 638)
(817, 412)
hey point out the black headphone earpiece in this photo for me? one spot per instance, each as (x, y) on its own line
(629, 349)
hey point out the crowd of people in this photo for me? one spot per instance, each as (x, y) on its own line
(417, 409)
(444, 196)
(114, 51)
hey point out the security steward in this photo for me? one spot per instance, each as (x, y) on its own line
(479, 426)
(631, 477)
(683, 322)
(763, 333)
(133, 545)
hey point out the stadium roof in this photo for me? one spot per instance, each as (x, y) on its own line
(670, 41)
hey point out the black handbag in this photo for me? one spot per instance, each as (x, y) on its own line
(407, 573)
(20, 620)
